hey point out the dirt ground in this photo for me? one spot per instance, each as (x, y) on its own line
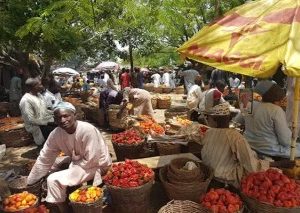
(21, 159)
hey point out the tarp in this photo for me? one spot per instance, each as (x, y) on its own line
(65, 71)
(253, 39)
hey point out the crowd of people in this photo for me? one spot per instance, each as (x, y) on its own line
(211, 100)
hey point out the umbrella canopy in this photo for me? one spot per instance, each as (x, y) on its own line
(65, 71)
(107, 65)
(253, 39)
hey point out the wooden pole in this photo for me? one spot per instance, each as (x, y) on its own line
(295, 119)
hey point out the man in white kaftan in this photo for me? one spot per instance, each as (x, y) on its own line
(156, 79)
(34, 110)
(166, 79)
(189, 78)
(82, 143)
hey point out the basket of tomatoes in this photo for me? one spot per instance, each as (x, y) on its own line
(271, 191)
(19, 202)
(128, 144)
(129, 185)
(86, 199)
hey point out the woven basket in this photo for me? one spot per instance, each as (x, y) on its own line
(176, 165)
(164, 102)
(179, 90)
(176, 111)
(168, 148)
(130, 151)
(182, 206)
(4, 109)
(154, 102)
(94, 207)
(20, 210)
(191, 191)
(133, 200)
(158, 90)
(19, 185)
(16, 137)
(149, 87)
(167, 90)
(256, 206)
(114, 122)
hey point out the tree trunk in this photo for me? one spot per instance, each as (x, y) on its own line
(47, 65)
(130, 57)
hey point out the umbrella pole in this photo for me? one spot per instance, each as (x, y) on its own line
(295, 119)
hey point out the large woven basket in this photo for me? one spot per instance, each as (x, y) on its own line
(158, 90)
(182, 206)
(154, 102)
(164, 102)
(19, 185)
(176, 165)
(168, 148)
(80, 207)
(256, 206)
(131, 200)
(130, 151)
(179, 90)
(20, 210)
(149, 87)
(187, 191)
(16, 137)
(114, 122)
(176, 111)
(167, 90)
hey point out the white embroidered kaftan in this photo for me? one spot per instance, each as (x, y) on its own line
(89, 154)
(35, 113)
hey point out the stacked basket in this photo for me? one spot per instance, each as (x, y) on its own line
(179, 90)
(176, 111)
(164, 102)
(182, 206)
(182, 184)
(115, 122)
(149, 87)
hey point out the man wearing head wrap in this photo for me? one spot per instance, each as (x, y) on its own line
(166, 78)
(34, 110)
(227, 151)
(141, 100)
(82, 143)
(266, 129)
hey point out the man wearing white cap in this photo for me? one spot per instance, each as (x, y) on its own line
(82, 143)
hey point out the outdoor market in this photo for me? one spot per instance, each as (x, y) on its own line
(102, 125)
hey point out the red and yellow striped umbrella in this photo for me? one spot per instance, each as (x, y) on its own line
(253, 39)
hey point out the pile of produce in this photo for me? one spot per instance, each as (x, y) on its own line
(148, 125)
(19, 201)
(9, 123)
(86, 195)
(222, 200)
(128, 174)
(39, 209)
(183, 121)
(127, 137)
(74, 101)
(272, 187)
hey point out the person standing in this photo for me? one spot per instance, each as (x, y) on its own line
(34, 111)
(125, 79)
(166, 78)
(189, 77)
(172, 78)
(156, 79)
(15, 95)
